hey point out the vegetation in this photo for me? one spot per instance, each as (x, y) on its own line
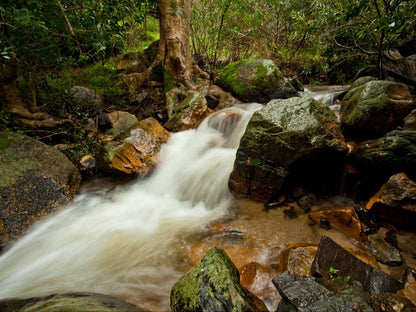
(47, 47)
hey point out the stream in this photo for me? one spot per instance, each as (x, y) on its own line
(134, 241)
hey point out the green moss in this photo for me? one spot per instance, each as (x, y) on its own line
(4, 142)
(169, 82)
(230, 78)
(157, 72)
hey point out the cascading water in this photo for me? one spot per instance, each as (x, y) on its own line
(128, 243)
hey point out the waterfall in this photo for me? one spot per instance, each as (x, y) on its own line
(128, 243)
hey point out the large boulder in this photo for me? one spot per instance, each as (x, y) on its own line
(373, 109)
(188, 114)
(120, 123)
(255, 81)
(213, 285)
(35, 179)
(283, 139)
(70, 302)
(395, 202)
(135, 152)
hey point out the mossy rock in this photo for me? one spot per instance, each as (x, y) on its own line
(375, 108)
(279, 135)
(71, 302)
(362, 81)
(35, 179)
(213, 285)
(255, 81)
(189, 113)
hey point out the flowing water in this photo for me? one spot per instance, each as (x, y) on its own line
(129, 242)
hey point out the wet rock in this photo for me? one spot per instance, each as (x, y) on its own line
(189, 113)
(121, 122)
(390, 303)
(375, 108)
(256, 81)
(409, 293)
(384, 252)
(213, 285)
(381, 158)
(331, 255)
(35, 179)
(344, 220)
(88, 162)
(297, 259)
(218, 99)
(138, 152)
(395, 202)
(285, 138)
(295, 82)
(306, 294)
(71, 302)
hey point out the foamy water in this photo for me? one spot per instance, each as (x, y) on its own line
(129, 242)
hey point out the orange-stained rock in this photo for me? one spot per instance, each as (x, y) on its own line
(257, 279)
(297, 259)
(138, 153)
(395, 202)
(344, 220)
(409, 293)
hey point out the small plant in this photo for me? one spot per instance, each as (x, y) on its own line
(333, 273)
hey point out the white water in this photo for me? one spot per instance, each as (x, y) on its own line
(128, 243)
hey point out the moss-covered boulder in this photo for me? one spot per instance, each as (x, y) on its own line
(255, 81)
(35, 179)
(188, 114)
(283, 139)
(135, 151)
(71, 302)
(213, 285)
(375, 108)
(362, 81)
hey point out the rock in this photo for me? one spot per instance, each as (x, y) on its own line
(285, 138)
(375, 108)
(132, 62)
(390, 303)
(213, 285)
(409, 293)
(70, 302)
(388, 155)
(344, 220)
(255, 81)
(409, 122)
(306, 294)
(295, 82)
(87, 98)
(35, 179)
(297, 259)
(384, 252)
(362, 81)
(331, 255)
(88, 162)
(395, 202)
(218, 99)
(121, 122)
(138, 152)
(189, 113)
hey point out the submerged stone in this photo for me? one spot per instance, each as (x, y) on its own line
(331, 255)
(213, 285)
